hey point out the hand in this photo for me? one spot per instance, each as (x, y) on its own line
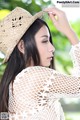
(60, 21)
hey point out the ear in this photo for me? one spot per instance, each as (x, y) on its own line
(21, 46)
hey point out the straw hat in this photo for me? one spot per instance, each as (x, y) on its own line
(13, 27)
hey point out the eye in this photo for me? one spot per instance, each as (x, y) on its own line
(45, 41)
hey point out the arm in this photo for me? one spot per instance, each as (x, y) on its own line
(34, 86)
(38, 86)
(60, 21)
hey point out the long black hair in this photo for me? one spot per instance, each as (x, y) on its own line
(17, 61)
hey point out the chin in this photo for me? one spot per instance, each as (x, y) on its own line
(46, 65)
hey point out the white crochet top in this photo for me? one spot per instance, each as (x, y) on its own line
(36, 91)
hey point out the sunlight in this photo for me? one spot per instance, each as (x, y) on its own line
(72, 12)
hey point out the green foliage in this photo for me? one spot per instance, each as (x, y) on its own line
(72, 115)
(61, 43)
(2, 67)
(32, 6)
(3, 13)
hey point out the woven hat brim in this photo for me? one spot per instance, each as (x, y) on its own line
(36, 16)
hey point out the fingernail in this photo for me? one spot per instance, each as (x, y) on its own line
(50, 12)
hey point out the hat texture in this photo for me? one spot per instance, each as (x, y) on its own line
(13, 27)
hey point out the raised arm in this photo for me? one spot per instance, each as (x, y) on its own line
(37, 87)
(40, 86)
(60, 21)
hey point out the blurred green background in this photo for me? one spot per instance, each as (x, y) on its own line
(62, 59)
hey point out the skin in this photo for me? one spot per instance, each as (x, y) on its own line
(62, 24)
(44, 46)
(45, 49)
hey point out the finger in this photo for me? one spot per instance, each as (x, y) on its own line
(53, 10)
(52, 17)
(52, 13)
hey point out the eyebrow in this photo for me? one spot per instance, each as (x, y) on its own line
(45, 36)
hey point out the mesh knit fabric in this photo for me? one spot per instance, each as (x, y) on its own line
(36, 91)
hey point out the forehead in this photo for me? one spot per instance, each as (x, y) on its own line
(43, 31)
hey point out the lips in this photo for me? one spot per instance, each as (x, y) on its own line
(50, 57)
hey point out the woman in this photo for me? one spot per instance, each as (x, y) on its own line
(30, 89)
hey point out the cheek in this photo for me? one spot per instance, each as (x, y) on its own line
(42, 50)
(43, 56)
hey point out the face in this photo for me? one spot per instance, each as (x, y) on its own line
(44, 46)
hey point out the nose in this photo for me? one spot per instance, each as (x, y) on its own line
(51, 48)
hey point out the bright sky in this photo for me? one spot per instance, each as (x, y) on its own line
(73, 13)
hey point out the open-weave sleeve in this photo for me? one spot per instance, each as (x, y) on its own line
(37, 86)
(75, 56)
(62, 85)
